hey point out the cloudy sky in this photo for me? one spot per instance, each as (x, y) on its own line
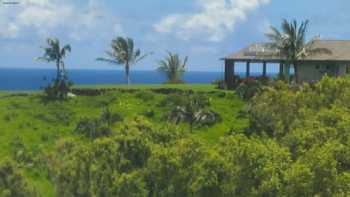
(205, 30)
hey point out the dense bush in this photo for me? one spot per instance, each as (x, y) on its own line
(149, 113)
(100, 91)
(168, 91)
(97, 127)
(89, 92)
(145, 95)
(251, 86)
(194, 111)
(221, 84)
(313, 123)
(238, 166)
(12, 182)
(108, 166)
(173, 100)
(58, 89)
(297, 144)
(20, 152)
(92, 128)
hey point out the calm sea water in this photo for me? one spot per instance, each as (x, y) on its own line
(35, 79)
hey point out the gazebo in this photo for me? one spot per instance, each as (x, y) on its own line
(312, 68)
(261, 53)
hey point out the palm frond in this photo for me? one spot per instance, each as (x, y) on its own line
(185, 62)
(111, 61)
(173, 67)
(43, 59)
(142, 57)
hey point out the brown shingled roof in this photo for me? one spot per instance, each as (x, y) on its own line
(340, 51)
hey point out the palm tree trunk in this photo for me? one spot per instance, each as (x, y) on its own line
(127, 73)
(286, 71)
(63, 72)
(58, 69)
(296, 72)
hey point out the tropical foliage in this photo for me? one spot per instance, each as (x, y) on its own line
(295, 143)
(251, 86)
(60, 87)
(292, 43)
(173, 67)
(193, 110)
(124, 53)
(12, 181)
(54, 53)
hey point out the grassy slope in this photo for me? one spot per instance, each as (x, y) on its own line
(40, 124)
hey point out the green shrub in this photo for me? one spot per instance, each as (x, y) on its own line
(149, 113)
(58, 89)
(92, 128)
(175, 82)
(12, 182)
(169, 91)
(219, 83)
(157, 135)
(219, 94)
(110, 118)
(173, 100)
(208, 118)
(248, 88)
(257, 163)
(10, 116)
(98, 127)
(105, 167)
(20, 153)
(194, 111)
(145, 95)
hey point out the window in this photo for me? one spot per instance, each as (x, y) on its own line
(347, 69)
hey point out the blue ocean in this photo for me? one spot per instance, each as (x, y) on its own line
(35, 79)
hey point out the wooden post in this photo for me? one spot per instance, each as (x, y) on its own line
(281, 69)
(229, 69)
(248, 69)
(233, 68)
(264, 69)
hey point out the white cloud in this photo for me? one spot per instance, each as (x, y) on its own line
(44, 17)
(214, 19)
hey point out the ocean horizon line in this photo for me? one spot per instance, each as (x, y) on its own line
(36, 79)
(122, 69)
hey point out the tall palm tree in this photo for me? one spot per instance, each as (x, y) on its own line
(54, 53)
(291, 43)
(123, 53)
(173, 67)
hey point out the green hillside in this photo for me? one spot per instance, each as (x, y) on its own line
(28, 119)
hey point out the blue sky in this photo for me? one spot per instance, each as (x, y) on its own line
(204, 30)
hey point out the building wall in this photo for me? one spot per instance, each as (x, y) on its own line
(309, 72)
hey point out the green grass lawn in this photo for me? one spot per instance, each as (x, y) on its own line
(39, 124)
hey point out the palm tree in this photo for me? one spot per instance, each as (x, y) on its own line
(194, 112)
(54, 53)
(173, 67)
(123, 53)
(291, 43)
